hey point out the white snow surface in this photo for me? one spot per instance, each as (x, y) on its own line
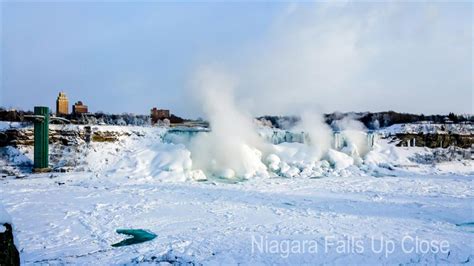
(143, 182)
(72, 218)
(4, 125)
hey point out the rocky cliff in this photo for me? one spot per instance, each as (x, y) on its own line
(435, 140)
(9, 254)
(67, 137)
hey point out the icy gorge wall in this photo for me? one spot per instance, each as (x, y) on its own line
(235, 147)
(232, 148)
(65, 135)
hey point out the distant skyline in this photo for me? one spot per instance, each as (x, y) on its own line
(121, 57)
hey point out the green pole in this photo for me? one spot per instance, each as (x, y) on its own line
(41, 160)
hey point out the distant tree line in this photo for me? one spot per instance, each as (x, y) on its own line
(13, 115)
(374, 120)
(99, 118)
(369, 119)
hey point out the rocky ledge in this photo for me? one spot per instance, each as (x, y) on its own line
(9, 254)
(67, 137)
(435, 140)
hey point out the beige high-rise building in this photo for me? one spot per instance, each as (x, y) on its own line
(62, 104)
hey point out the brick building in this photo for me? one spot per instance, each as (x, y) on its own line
(79, 108)
(159, 114)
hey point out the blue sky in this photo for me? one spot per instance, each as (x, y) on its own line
(128, 57)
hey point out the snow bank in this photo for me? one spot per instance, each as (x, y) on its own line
(17, 156)
(172, 158)
(4, 125)
(160, 160)
(285, 159)
(339, 160)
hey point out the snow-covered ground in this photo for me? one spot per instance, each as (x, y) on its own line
(384, 205)
(72, 218)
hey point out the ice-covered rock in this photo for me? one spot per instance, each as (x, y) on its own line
(339, 160)
(273, 162)
(197, 175)
(226, 173)
(8, 249)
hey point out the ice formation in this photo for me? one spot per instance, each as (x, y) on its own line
(232, 148)
(236, 148)
(203, 154)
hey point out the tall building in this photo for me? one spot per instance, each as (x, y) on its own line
(79, 108)
(62, 104)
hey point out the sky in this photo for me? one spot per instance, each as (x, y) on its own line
(285, 57)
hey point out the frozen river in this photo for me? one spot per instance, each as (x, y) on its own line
(73, 217)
